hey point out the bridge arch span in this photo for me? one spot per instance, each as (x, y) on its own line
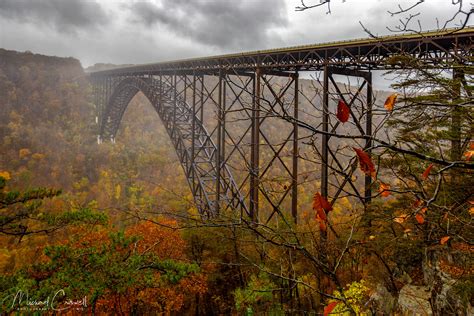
(192, 142)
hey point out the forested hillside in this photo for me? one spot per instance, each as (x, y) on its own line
(115, 223)
(48, 140)
(50, 129)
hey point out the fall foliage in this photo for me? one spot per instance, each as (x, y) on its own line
(343, 111)
(427, 171)
(116, 223)
(390, 102)
(365, 163)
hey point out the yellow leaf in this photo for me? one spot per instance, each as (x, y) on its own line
(5, 175)
(24, 152)
(401, 218)
(118, 191)
(390, 102)
(37, 156)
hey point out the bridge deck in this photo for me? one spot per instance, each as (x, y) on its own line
(433, 47)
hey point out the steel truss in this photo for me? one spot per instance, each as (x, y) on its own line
(360, 114)
(235, 120)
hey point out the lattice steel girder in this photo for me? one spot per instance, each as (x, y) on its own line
(439, 48)
(236, 101)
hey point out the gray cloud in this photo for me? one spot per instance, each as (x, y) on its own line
(144, 31)
(224, 24)
(63, 15)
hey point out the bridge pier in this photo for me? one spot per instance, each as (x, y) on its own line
(255, 147)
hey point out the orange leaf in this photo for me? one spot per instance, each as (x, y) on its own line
(322, 225)
(342, 111)
(321, 206)
(390, 102)
(329, 308)
(427, 171)
(444, 240)
(305, 215)
(470, 152)
(384, 189)
(423, 210)
(366, 164)
(420, 218)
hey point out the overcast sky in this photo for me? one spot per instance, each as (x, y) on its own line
(132, 32)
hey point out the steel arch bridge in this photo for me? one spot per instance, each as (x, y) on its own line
(202, 102)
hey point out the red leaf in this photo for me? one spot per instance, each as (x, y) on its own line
(342, 111)
(390, 102)
(329, 308)
(420, 218)
(427, 171)
(321, 206)
(320, 214)
(417, 203)
(366, 164)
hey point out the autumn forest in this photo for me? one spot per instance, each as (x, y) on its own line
(112, 227)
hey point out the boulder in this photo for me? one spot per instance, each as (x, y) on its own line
(415, 300)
